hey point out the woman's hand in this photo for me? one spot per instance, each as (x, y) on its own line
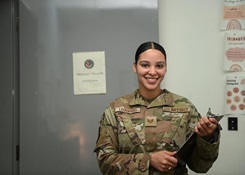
(163, 160)
(206, 127)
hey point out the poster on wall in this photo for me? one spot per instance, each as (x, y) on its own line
(233, 15)
(235, 94)
(89, 74)
(234, 51)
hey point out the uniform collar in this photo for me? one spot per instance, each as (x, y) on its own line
(164, 99)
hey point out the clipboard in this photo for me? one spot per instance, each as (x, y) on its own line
(186, 149)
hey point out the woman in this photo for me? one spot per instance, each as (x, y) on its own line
(141, 132)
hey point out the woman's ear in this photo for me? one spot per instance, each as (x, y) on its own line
(134, 67)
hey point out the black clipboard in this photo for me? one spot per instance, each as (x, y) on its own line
(186, 149)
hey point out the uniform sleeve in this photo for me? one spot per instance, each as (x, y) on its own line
(204, 153)
(107, 150)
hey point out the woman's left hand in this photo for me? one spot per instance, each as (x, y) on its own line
(206, 127)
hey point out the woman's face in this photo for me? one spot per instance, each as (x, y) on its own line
(150, 69)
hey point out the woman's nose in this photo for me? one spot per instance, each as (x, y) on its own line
(152, 70)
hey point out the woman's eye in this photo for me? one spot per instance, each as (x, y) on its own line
(145, 65)
(160, 66)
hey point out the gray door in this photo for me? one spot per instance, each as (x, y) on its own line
(8, 88)
(58, 129)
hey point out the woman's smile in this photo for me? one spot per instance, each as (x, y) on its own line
(151, 79)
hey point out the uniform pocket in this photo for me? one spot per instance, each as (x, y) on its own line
(176, 134)
(133, 130)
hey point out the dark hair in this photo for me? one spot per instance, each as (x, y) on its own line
(149, 45)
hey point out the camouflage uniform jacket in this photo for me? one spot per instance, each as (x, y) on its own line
(131, 128)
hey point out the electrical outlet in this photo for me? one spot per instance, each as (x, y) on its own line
(232, 123)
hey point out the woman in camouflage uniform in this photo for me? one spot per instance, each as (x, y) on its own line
(141, 132)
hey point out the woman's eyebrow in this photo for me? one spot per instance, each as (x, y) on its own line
(161, 62)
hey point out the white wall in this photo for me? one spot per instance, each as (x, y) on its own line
(190, 32)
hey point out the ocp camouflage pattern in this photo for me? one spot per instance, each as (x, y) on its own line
(132, 127)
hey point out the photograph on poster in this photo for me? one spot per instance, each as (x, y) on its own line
(235, 94)
(233, 15)
(89, 74)
(234, 51)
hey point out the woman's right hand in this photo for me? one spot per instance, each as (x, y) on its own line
(163, 160)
